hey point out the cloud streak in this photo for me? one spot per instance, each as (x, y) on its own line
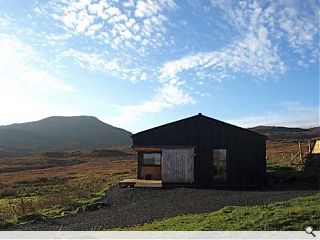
(287, 22)
(294, 114)
(256, 52)
(169, 95)
(19, 62)
(99, 63)
(132, 33)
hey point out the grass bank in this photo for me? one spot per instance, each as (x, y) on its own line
(292, 215)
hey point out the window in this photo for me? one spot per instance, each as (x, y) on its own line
(152, 158)
(219, 163)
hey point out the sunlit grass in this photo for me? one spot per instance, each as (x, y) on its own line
(57, 191)
(292, 215)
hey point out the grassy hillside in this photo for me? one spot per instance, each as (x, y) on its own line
(54, 184)
(293, 215)
(62, 133)
(286, 133)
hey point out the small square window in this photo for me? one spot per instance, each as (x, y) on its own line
(152, 158)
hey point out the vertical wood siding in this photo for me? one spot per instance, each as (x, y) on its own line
(246, 150)
(177, 165)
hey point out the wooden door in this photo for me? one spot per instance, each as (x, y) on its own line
(178, 165)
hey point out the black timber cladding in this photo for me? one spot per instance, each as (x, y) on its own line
(246, 150)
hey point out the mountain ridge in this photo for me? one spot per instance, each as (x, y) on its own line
(63, 133)
(287, 133)
(88, 132)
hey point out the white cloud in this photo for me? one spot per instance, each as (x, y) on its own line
(296, 22)
(92, 61)
(99, 63)
(168, 96)
(3, 22)
(148, 8)
(97, 20)
(83, 21)
(253, 55)
(130, 30)
(174, 95)
(293, 115)
(296, 106)
(58, 37)
(255, 52)
(132, 113)
(277, 119)
(129, 3)
(19, 62)
(301, 29)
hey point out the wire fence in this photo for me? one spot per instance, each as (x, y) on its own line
(288, 152)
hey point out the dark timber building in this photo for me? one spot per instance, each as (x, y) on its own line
(202, 151)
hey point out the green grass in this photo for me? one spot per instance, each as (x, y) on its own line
(283, 173)
(22, 205)
(29, 201)
(292, 215)
(307, 174)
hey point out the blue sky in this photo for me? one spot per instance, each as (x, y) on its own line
(139, 63)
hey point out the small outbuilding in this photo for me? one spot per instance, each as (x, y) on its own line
(201, 151)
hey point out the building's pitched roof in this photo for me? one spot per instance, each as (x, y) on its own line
(199, 116)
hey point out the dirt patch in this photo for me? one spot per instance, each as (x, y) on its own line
(129, 207)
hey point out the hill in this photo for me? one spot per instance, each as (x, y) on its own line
(86, 132)
(62, 133)
(286, 133)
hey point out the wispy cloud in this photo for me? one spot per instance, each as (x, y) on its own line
(287, 22)
(24, 82)
(130, 34)
(294, 114)
(19, 62)
(300, 29)
(127, 32)
(257, 49)
(167, 96)
(99, 63)
(148, 8)
(129, 25)
(255, 52)
(253, 55)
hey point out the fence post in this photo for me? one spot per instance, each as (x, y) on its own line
(300, 152)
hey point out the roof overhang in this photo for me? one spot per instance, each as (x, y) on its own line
(157, 148)
(146, 149)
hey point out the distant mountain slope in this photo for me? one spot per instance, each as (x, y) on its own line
(286, 133)
(65, 133)
(85, 132)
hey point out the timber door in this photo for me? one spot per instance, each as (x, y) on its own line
(178, 165)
